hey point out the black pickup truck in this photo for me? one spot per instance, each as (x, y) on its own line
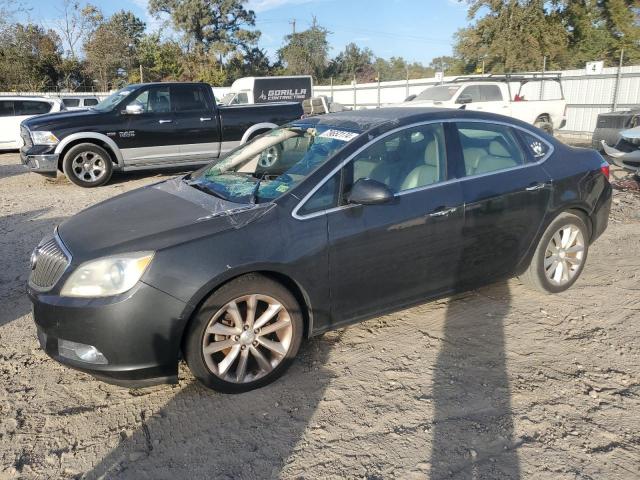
(143, 126)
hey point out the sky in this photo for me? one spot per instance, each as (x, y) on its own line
(417, 30)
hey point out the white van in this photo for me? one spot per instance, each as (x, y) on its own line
(14, 110)
(269, 89)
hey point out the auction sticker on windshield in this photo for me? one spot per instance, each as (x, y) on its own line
(341, 135)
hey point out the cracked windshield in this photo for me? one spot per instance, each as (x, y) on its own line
(272, 164)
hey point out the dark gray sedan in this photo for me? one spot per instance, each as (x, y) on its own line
(313, 226)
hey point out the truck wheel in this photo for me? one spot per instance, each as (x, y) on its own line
(87, 165)
(270, 157)
(544, 125)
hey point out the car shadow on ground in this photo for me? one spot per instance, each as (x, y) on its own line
(20, 233)
(203, 434)
(12, 170)
(473, 432)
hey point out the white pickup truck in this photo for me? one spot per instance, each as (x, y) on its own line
(516, 96)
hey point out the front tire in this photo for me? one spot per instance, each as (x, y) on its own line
(245, 335)
(560, 255)
(87, 165)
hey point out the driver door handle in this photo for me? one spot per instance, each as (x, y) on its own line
(443, 212)
(205, 119)
(165, 121)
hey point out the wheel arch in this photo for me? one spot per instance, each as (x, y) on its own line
(296, 289)
(254, 129)
(89, 137)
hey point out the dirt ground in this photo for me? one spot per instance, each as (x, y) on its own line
(499, 382)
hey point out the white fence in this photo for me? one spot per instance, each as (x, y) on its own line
(586, 95)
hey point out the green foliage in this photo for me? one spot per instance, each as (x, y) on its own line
(306, 52)
(219, 25)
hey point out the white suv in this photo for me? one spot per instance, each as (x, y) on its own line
(79, 102)
(13, 110)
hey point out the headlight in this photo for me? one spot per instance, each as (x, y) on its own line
(107, 276)
(44, 138)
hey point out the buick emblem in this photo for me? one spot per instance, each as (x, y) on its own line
(34, 259)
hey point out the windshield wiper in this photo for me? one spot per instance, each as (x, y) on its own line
(205, 189)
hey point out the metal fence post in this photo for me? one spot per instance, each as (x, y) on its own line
(406, 93)
(331, 90)
(378, 89)
(617, 86)
(355, 102)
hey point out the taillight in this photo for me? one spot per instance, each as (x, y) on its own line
(604, 168)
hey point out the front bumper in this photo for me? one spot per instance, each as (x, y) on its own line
(46, 164)
(138, 332)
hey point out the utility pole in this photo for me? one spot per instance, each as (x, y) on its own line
(617, 86)
(141, 75)
(314, 22)
(293, 24)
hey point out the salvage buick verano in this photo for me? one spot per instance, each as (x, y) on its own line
(313, 226)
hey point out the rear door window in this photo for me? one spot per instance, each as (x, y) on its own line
(488, 147)
(490, 93)
(6, 108)
(71, 102)
(188, 98)
(31, 107)
(90, 102)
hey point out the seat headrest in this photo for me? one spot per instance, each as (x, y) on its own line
(431, 151)
(497, 149)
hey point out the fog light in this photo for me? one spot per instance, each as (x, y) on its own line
(81, 352)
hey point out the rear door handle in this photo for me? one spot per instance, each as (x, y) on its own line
(536, 186)
(443, 212)
(165, 121)
(205, 119)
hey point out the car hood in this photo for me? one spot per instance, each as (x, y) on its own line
(152, 218)
(49, 121)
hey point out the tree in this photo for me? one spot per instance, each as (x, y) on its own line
(75, 24)
(353, 62)
(513, 36)
(223, 26)
(447, 64)
(160, 60)
(622, 18)
(306, 52)
(29, 58)
(111, 48)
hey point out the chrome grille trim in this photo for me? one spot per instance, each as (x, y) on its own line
(51, 261)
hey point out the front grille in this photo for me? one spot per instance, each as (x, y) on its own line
(48, 264)
(26, 137)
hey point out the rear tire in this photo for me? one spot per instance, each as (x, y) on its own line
(230, 349)
(87, 165)
(560, 255)
(544, 125)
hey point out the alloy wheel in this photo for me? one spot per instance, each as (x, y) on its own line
(564, 255)
(88, 166)
(247, 338)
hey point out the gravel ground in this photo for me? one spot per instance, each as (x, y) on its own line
(499, 382)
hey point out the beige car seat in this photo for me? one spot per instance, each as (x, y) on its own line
(428, 171)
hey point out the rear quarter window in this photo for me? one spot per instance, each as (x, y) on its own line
(31, 107)
(535, 148)
(90, 102)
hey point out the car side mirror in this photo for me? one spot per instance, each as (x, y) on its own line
(464, 99)
(134, 109)
(369, 192)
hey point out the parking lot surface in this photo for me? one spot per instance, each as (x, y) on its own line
(500, 382)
